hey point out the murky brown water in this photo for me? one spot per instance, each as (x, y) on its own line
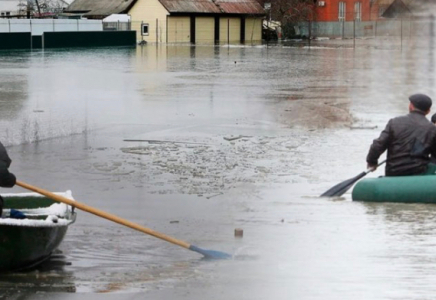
(260, 133)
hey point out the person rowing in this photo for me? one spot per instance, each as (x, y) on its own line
(409, 140)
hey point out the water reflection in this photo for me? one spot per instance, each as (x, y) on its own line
(14, 83)
(50, 276)
(290, 111)
(413, 216)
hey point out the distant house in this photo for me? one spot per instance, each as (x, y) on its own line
(182, 21)
(361, 10)
(378, 8)
(409, 8)
(9, 8)
(397, 9)
(342, 10)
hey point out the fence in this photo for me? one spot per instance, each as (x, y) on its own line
(355, 29)
(39, 26)
(66, 39)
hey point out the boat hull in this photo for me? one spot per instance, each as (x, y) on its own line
(403, 189)
(26, 243)
(24, 247)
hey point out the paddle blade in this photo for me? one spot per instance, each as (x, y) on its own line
(341, 188)
(210, 254)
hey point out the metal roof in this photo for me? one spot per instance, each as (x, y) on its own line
(107, 7)
(190, 6)
(240, 7)
(210, 6)
(100, 7)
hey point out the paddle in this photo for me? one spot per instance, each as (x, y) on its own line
(341, 188)
(207, 253)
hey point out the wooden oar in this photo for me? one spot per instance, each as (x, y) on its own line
(339, 189)
(207, 253)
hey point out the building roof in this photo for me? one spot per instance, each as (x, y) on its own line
(190, 6)
(396, 9)
(103, 8)
(100, 7)
(240, 6)
(401, 8)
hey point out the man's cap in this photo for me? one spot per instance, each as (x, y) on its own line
(421, 101)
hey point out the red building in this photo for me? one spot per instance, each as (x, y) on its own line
(343, 10)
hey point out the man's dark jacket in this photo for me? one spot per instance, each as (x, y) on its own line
(7, 179)
(410, 140)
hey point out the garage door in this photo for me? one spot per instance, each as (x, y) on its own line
(253, 30)
(179, 30)
(230, 30)
(204, 30)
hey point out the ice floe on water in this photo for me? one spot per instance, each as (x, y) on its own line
(221, 163)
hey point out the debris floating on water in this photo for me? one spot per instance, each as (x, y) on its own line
(239, 232)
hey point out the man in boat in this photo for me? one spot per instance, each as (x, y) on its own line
(409, 139)
(7, 179)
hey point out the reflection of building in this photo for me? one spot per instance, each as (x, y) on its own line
(182, 21)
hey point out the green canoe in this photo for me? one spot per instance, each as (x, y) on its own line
(405, 189)
(25, 243)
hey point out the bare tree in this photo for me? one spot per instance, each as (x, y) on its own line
(39, 8)
(292, 11)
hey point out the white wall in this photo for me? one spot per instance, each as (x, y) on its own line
(38, 26)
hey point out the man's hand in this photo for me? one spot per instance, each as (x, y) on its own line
(371, 167)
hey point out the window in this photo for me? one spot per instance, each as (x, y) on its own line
(8, 13)
(342, 8)
(357, 11)
(2, 14)
(144, 30)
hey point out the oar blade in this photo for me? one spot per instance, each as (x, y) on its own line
(210, 254)
(340, 189)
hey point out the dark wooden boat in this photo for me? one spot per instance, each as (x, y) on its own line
(25, 243)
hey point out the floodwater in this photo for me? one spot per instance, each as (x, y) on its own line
(224, 138)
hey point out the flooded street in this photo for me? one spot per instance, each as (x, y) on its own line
(195, 142)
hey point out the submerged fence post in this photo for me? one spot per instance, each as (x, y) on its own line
(375, 29)
(343, 29)
(432, 32)
(410, 28)
(401, 33)
(354, 33)
(310, 32)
